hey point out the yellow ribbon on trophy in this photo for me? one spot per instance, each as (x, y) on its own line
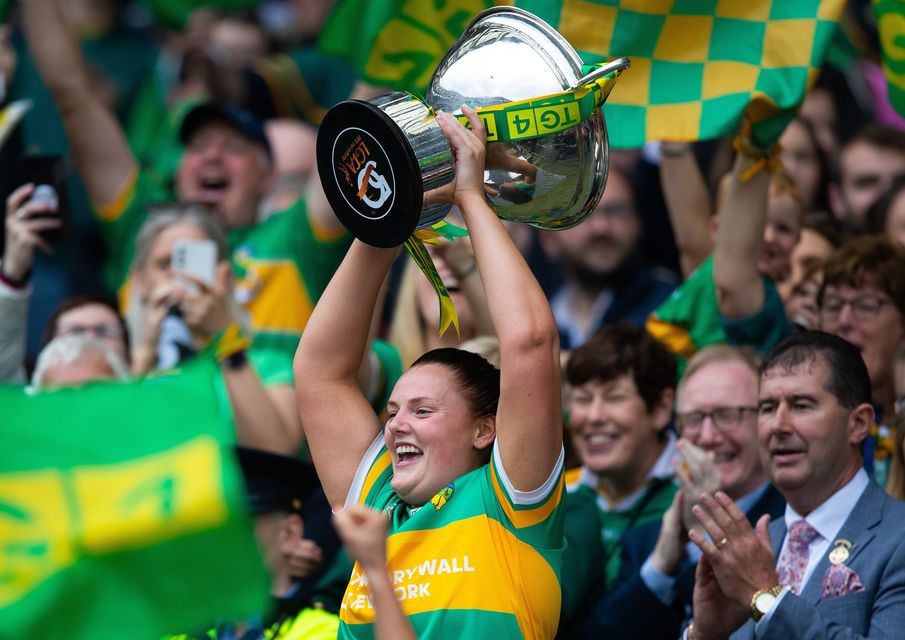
(508, 122)
(545, 115)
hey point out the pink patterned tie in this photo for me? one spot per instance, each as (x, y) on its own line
(794, 558)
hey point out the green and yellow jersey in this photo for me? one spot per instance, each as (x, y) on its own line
(481, 559)
(690, 319)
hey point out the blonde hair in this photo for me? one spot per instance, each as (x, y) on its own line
(69, 349)
(487, 347)
(160, 218)
(407, 327)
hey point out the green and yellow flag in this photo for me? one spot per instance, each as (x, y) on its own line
(891, 29)
(397, 43)
(122, 510)
(698, 65)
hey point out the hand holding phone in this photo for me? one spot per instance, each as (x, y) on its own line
(196, 258)
(48, 174)
(27, 223)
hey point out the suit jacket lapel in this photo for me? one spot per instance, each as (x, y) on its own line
(857, 529)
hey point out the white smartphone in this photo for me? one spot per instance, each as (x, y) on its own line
(197, 258)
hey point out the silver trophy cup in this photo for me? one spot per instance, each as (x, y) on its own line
(381, 160)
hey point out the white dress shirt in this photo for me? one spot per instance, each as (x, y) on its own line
(827, 519)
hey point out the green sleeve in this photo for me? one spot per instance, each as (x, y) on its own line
(121, 220)
(274, 367)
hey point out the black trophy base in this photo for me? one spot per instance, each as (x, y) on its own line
(369, 173)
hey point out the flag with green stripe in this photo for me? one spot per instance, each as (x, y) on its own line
(122, 510)
(698, 65)
(397, 43)
(891, 29)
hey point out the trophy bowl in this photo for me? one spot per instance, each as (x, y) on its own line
(378, 158)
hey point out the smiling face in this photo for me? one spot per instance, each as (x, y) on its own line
(226, 171)
(725, 383)
(613, 432)
(809, 443)
(431, 434)
(876, 335)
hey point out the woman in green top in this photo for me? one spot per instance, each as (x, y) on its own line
(469, 465)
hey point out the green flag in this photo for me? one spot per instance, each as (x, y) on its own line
(891, 29)
(698, 65)
(122, 510)
(397, 43)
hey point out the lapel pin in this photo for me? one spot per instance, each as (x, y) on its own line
(841, 551)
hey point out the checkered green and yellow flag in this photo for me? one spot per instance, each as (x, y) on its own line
(891, 29)
(698, 66)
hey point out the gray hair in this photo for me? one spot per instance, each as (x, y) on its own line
(70, 349)
(160, 218)
(163, 216)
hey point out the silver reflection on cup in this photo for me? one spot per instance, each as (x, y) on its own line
(381, 160)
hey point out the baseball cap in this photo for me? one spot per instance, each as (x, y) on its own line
(245, 122)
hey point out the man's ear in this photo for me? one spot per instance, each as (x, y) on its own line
(860, 422)
(484, 432)
(662, 411)
(291, 529)
(835, 200)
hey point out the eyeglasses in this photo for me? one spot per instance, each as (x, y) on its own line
(97, 330)
(617, 210)
(724, 419)
(863, 308)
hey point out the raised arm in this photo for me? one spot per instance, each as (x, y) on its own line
(98, 146)
(743, 214)
(687, 203)
(529, 422)
(339, 423)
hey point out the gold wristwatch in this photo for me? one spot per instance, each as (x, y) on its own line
(762, 600)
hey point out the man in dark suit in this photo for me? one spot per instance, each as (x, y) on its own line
(717, 419)
(834, 566)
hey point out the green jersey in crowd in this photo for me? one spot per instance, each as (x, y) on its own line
(612, 520)
(690, 319)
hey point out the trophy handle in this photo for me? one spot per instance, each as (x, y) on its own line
(620, 64)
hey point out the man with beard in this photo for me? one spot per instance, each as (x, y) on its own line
(604, 278)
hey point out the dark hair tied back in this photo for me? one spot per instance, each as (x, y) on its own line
(478, 379)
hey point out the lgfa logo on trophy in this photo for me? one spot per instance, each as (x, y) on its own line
(363, 172)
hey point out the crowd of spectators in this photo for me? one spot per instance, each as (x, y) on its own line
(753, 368)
